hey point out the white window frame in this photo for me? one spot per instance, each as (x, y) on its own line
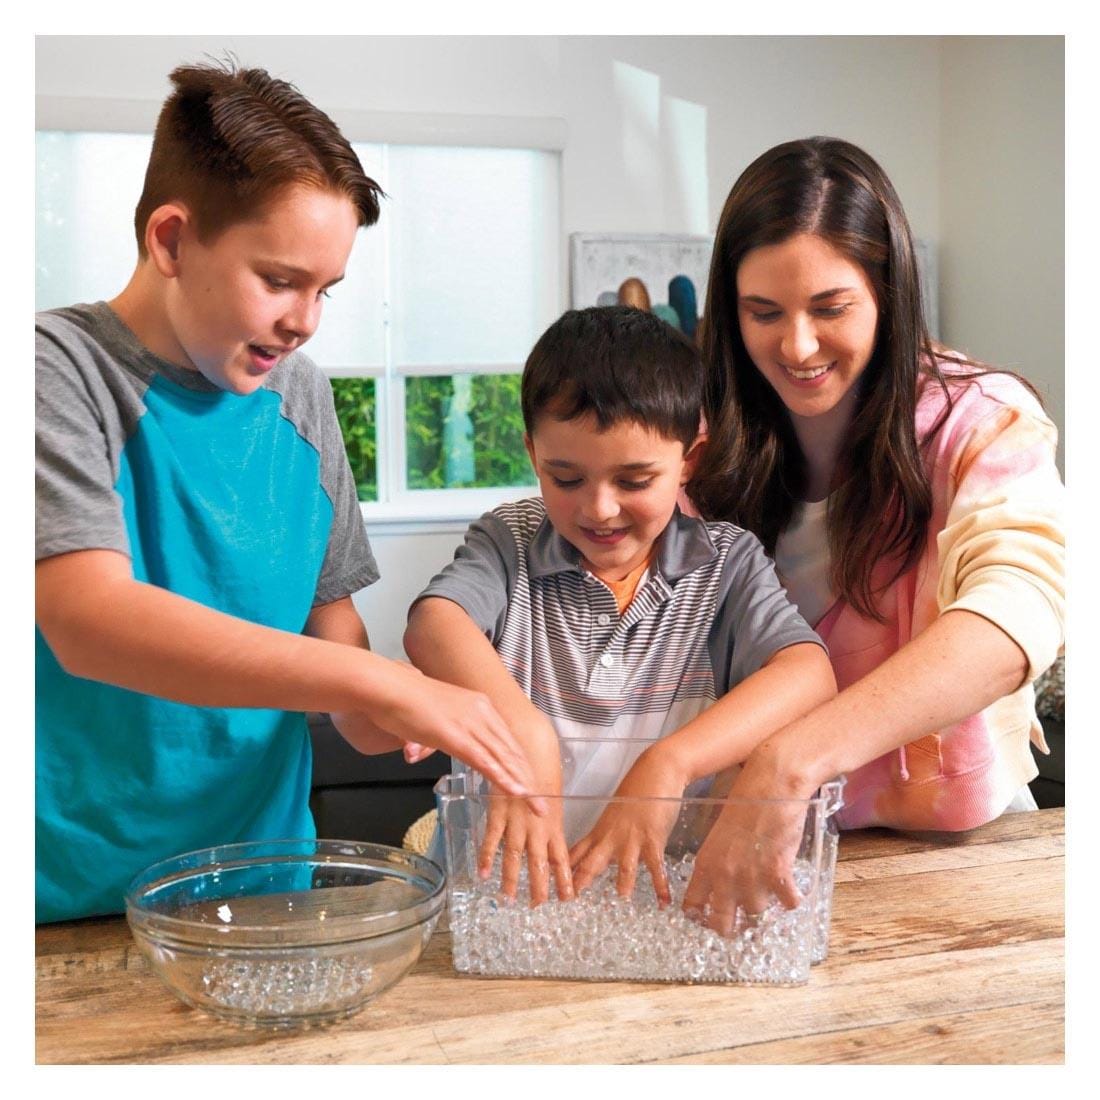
(397, 506)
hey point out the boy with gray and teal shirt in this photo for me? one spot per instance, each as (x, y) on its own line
(198, 529)
(635, 650)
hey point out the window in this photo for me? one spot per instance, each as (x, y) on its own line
(423, 340)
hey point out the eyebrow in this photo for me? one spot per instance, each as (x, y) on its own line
(813, 298)
(299, 272)
(564, 464)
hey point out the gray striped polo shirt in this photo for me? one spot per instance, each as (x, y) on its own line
(708, 613)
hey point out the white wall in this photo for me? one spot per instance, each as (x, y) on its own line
(1002, 214)
(969, 130)
(657, 128)
(407, 561)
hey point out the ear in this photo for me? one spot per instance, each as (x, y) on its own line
(163, 234)
(530, 451)
(692, 456)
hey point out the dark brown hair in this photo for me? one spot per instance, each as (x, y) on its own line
(753, 471)
(229, 141)
(619, 364)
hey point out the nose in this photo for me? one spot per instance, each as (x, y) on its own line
(799, 340)
(601, 505)
(300, 321)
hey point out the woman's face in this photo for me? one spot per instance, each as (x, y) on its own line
(808, 320)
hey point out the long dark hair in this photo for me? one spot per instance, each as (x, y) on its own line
(753, 471)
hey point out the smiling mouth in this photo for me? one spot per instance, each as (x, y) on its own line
(604, 533)
(809, 373)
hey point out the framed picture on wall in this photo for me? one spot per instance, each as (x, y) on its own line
(664, 272)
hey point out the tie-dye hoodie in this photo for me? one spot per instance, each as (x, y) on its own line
(995, 547)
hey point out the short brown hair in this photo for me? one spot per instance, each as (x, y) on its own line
(229, 140)
(620, 365)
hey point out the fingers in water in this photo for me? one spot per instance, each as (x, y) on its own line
(654, 861)
(494, 832)
(721, 919)
(562, 871)
(788, 893)
(510, 864)
(626, 878)
(587, 869)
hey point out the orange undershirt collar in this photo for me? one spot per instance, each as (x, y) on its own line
(624, 590)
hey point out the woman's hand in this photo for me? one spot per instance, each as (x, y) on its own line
(627, 832)
(747, 859)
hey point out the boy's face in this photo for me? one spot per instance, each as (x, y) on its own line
(241, 303)
(610, 493)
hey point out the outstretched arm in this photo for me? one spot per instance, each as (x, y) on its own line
(791, 682)
(339, 622)
(102, 624)
(444, 642)
(958, 666)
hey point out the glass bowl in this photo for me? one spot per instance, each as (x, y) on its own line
(285, 933)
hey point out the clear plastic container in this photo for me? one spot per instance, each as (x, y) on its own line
(599, 935)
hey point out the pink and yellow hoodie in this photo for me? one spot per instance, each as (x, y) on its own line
(996, 547)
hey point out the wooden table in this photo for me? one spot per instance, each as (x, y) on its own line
(943, 950)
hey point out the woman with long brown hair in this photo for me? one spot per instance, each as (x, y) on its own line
(911, 500)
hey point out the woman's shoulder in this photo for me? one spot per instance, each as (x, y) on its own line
(969, 393)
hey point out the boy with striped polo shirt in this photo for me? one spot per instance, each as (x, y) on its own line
(599, 615)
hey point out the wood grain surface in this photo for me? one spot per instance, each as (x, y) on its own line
(944, 949)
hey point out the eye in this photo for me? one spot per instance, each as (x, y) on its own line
(563, 483)
(831, 311)
(276, 283)
(636, 486)
(323, 294)
(765, 318)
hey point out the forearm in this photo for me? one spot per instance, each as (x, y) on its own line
(444, 642)
(791, 683)
(961, 664)
(104, 625)
(339, 622)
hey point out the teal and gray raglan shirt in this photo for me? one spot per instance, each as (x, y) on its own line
(244, 504)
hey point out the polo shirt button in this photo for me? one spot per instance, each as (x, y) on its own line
(603, 618)
(606, 660)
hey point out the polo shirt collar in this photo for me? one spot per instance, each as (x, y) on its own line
(684, 545)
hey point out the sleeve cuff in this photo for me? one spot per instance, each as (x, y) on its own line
(1022, 611)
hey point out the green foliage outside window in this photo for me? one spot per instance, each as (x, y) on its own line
(493, 408)
(499, 458)
(355, 409)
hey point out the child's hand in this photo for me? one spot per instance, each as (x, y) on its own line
(520, 834)
(747, 859)
(540, 839)
(414, 753)
(362, 734)
(629, 831)
(463, 723)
